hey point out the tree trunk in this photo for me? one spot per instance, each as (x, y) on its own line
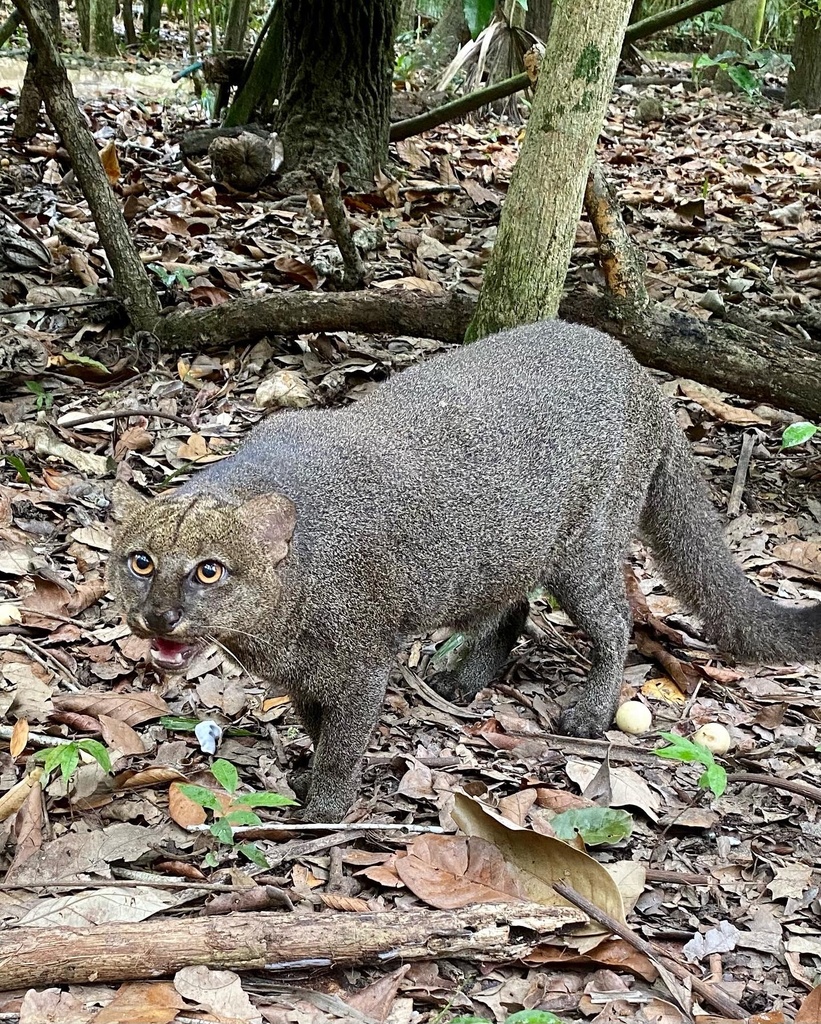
(447, 35)
(256, 96)
(9, 26)
(101, 19)
(131, 281)
(28, 107)
(746, 17)
(537, 18)
(152, 9)
(128, 23)
(804, 82)
(337, 74)
(233, 41)
(525, 276)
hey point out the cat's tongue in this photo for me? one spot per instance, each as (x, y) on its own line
(171, 654)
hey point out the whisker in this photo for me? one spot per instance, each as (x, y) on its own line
(230, 654)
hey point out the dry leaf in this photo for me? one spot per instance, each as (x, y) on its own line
(13, 800)
(131, 708)
(183, 809)
(541, 861)
(111, 165)
(19, 737)
(142, 1002)
(449, 872)
(218, 992)
(710, 400)
(803, 554)
(97, 906)
(810, 1010)
(120, 737)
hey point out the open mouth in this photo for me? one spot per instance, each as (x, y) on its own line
(172, 655)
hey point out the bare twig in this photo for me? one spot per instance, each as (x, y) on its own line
(805, 789)
(743, 467)
(123, 414)
(31, 306)
(328, 186)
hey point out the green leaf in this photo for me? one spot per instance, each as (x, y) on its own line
(744, 79)
(478, 14)
(469, 1019)
(221, 830)
(796, 433)
(598, 826)
(201, 796)
(36, 388)
(254, 854)
(17, 463)
(266, 800)
(69, 761)
(75, 357)
(179, 723)
(52, 757)
(241, 817)
(211, 859)
(533, 1017)
(225, 774)
(682, 749)
(704, 61)
(98, 752)
(714, 779)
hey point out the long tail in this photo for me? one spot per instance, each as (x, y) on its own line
(686, 537)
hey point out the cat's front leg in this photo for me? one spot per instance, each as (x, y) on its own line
(346, 722)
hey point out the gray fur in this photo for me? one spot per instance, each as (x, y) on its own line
(529, 457)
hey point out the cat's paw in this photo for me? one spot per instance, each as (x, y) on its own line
(300, 783)
(585, 721)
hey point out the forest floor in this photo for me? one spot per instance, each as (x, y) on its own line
(724, 197)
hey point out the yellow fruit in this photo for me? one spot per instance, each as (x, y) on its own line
(714, 737)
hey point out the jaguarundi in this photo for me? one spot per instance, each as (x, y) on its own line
(442, 498)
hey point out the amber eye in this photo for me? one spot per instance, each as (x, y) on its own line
(209, 572)
(141, 563)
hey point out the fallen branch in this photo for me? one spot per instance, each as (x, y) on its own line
(40, 957)
(354, 275)
(710, 995)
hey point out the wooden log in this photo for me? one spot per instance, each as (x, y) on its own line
(752, 361)
(39, 957)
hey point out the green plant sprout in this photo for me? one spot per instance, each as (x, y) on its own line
(43, 399)
(17, 464)
(521, 1017)
(66, 757)
(714, 777)
(239, 811)
(797, 433)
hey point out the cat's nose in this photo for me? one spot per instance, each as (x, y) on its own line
(163, 620)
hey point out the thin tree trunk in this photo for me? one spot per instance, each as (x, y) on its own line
(525, 276)
(130, 278)
(804, 82)
(101, 25)
(746, 17)
(233, 41)
(10, 26)
(261, 88)
(337, 73)
(28, 107)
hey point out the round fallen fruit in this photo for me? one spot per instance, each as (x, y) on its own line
(714, 737)
(634, 718)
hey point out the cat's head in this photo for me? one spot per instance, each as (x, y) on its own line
(189, 569)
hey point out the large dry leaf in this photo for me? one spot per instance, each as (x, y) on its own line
(627, 787)
(97, 906)
(454, 871)
(218, 992)
(803, 554)
(142, 1002)
(53, 1006)
(810, 1010)
(28, 829)
(120, 737)
(131, 708)
(541, 860)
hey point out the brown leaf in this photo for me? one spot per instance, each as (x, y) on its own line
(183, 809)
(148, 777)
(710, 400)
(541, 860)
(376, 999)
(803, 554)
(615, 953)
(19, 737)
(810, 1010)
(111, 165)
(28, 828)
(131, 708)
(683, 673)
(120, 737)
(299, 272)
(454, 871)
(220, 992)
(142, 1002)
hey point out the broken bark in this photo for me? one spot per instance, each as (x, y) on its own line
(131, 280)
(40, 957)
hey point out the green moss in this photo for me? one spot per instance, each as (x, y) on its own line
(588, 66)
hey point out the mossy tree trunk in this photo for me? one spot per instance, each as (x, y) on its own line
(525, 275)
(443, 42)
(804, 82)
(336, 85)
(255, 97)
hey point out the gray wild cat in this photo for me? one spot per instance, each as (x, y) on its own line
(441, 499)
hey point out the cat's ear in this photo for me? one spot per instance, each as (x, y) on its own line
(272, 520)
(125, 501)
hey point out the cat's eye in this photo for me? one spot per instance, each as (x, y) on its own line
(209, 572)
(141, 564)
